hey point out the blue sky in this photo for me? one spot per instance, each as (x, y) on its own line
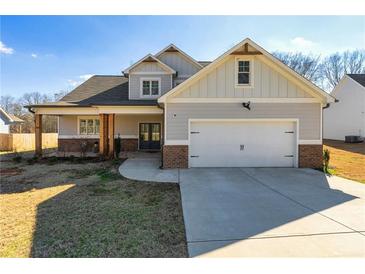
(52, 53)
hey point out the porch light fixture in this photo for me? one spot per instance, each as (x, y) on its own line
(247, 105)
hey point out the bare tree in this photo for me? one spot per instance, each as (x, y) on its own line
(335, 66)
(7, 103)
(309, 66)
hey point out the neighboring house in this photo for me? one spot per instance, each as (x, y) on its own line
(347, 117)
(245, 108)
(7, 119)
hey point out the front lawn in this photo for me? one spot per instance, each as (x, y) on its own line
(347, 160)
(63, 208)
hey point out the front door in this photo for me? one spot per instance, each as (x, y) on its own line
(149, 136)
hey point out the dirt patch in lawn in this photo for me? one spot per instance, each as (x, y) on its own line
(347, 160)
(87, 209)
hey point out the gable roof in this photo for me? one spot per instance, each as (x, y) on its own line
(99, 90)
(360, 78)
(248, 43)
(10, 118)
(173, 48)
(149, 58)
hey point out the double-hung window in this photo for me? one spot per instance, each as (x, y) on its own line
(243, 72)
(89, 126)
(150, 87)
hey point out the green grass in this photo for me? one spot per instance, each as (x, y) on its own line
(93, 212)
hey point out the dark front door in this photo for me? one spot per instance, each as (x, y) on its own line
(149, 136)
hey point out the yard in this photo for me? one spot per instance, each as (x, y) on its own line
(73, 208)
(347, 160)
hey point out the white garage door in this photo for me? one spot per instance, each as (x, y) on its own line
(242, 144)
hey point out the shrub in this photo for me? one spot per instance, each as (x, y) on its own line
(118, 146)
(326, 160)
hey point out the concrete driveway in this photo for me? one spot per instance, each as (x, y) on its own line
(271, 212)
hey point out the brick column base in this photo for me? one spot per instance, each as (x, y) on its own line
(311, 156)
(129, 145)
(175, 156)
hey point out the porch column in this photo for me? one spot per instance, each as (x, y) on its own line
(111, 135)
(103, 134)
(38, 134)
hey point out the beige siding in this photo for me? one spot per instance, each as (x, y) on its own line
(135, 84)
(125, 125)
(178, 114)
(267, 83)
(179, 63)
(128, 125)
(68, 125)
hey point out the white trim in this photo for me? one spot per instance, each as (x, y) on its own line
(321, 122)
(150, 79)
(251, 72)
(176, 142)
(242, 99)
(78, 136)
(130, 110)
(295, 120)
(165, 124)
(163, 65)
(126, 136)
(297, 77)
(150, 73)
(187, 56)
(310, 142)
(67, 110)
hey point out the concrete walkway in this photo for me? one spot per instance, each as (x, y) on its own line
(286, 212)
(144, 166)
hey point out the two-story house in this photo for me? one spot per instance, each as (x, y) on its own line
(245, 108)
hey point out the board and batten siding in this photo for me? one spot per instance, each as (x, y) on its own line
(135, 84)
(178, 115)
(148, 67)
(220, 83)
(179, 63)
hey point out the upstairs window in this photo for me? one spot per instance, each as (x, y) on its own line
(89, 126)
(243, 72)
(150, 87)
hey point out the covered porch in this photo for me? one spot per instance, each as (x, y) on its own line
(95, 130)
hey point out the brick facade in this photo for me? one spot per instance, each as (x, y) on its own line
(74, 145)
(175, 156)
(310, 156)
(129, 144)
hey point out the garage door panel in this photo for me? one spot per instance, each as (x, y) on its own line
(242, 144)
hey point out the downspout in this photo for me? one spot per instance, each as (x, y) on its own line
(326, 106)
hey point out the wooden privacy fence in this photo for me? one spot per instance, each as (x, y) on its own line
(26, 141)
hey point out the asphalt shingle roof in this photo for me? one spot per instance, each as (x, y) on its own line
(100, 90)
(360, 78)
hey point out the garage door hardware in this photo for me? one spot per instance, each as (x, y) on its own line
(194, 156)
(289, 131)
(194, 132)
(290, 156)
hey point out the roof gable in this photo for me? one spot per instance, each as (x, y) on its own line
(149, 58)
(173, 48)
(248, 47)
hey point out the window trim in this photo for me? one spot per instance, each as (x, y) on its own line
(79, 118)
(251, 72)
(150, 79)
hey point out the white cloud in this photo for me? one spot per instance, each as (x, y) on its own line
(302, 42)
(34, 55)
(82, 78)
(4, 49)
(296, 44)
(86, 76)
